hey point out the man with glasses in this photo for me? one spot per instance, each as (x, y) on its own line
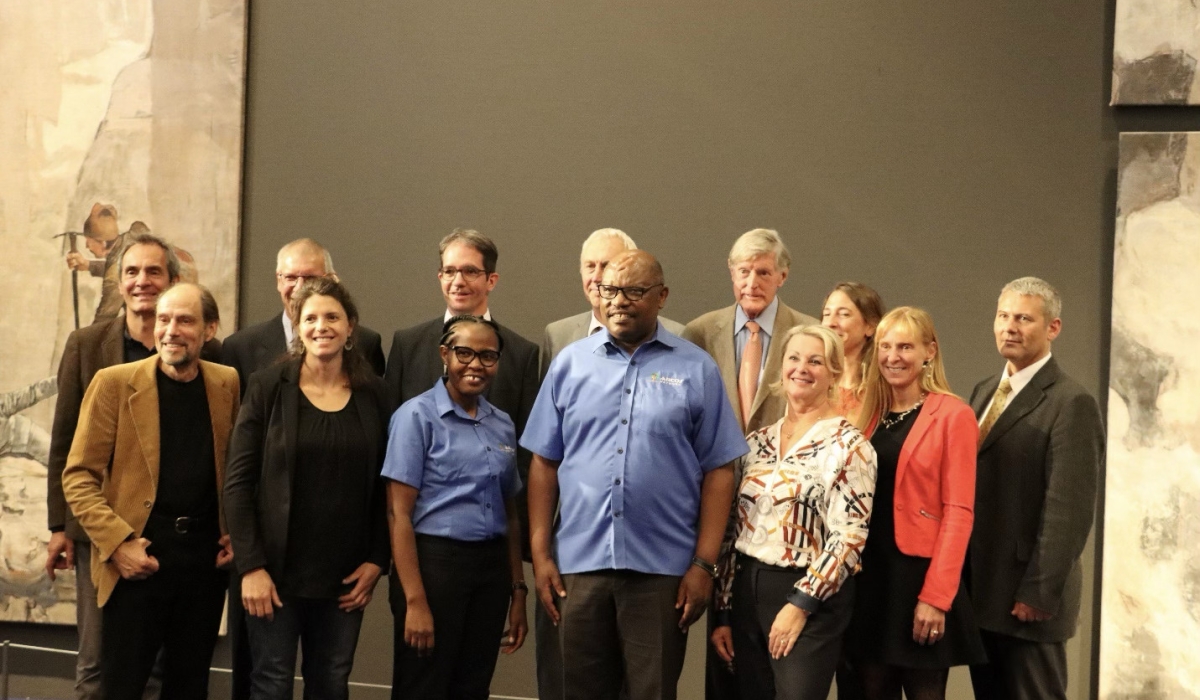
(262, 345)
(634, 440)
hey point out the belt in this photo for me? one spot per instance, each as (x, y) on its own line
(184, 524)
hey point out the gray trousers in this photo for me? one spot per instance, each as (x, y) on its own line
(89, 621)
(1020, 670)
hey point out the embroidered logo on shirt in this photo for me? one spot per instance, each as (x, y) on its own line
(506, 449)
(657, 378)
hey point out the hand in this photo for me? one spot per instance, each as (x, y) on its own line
(785, 630)
(418, 627)
(364, 579)
(259, 596)
(132, 561)
(929, 624)
(225, 556)
(548, 584)
(694, 590)
(60, 553)
(518, 626)
(722, 641)
(76, 261)
(1028, 613)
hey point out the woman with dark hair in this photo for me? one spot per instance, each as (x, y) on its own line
(853, 311)
(304, 502)
(912, 619)
(451, 458)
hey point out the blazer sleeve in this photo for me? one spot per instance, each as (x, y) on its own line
(374, 353)
(957, 473)
(243, 471)
(380, 545)
(62, 430)
(394, 374)
(545, 353)
(86, 466)
(1071, 472)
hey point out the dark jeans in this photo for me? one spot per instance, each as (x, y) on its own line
(468, 586)
(1019, 669)
(328, 636)
(178, 610)
(240, 661)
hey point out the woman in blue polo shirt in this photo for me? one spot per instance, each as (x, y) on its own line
(451, 458)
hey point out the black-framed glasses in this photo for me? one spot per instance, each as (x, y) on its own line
(297, 279)
(467, 355)
(470, 274)
(609, 291)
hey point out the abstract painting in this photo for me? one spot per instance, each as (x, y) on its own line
(116, 116)
(1150, 616)
(1156, 45)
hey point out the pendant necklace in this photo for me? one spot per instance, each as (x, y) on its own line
(890, 423)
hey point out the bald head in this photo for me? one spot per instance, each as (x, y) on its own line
(638, 263)
(185, 319)
(634, 292)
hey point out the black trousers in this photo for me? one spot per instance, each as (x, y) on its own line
(1018, 669)
(759, 592)
(468, 586)
(240, 662)
(178, 610)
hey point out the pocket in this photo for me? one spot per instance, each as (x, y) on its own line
(926, 514)
(661, 409)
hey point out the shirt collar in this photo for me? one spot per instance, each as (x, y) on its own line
(445, 404)
(765, 320)
(600, 341)
(288, 332)
(1019, 380)
(486, 314)
(594, 323)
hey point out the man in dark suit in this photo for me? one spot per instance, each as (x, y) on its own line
(147, 266)
(759, 263)
(260, 345)
(1041, 443)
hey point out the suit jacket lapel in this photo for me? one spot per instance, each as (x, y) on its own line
(143, 409)
(1032, 395)
(112, 348)
(980, 401)
(271, 344)
(368, 415)
(289, 398)
(726, 357)
(924, 420)
(220, 405)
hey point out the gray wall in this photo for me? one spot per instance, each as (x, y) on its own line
(932, 150)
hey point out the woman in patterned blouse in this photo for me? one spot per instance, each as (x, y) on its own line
(853, 311)
(785, 595)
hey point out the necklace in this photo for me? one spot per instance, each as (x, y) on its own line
(889, 424)
(788, 431)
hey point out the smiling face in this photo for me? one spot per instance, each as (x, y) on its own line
(296, 265)
(631, 323)
(324, 327)
(842, 316)
(755, 283)
(592, 262)
(180, 331)
(144, 276)
(806, 374)
(466, 296)
(901, 356)
(1023, 333)
(464, 381)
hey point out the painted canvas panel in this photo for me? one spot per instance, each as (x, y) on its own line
(1150, 620)
(1155, 48)
(115, 116)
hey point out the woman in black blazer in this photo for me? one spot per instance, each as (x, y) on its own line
(303, 499)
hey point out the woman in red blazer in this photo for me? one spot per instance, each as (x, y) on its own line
(912, 619)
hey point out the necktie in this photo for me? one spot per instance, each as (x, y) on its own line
(748, 372)
(999, 401)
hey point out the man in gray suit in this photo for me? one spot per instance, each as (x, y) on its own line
(1041, 440)
(600, 247)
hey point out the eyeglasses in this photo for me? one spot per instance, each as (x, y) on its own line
(296, 279)
(609, 291)
(469, 274)
(466, 355)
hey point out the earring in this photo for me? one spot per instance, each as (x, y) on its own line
(349, 345)
(445, 370)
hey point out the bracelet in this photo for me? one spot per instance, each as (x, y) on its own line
(706, 567)
(520, 586)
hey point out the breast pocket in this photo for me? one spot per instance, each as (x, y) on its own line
(661, 409)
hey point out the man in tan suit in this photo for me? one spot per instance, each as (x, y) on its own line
(143, 478)
(742, 339)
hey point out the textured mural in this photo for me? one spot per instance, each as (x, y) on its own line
(1155, 49)
(115, 116)
(1150, 621)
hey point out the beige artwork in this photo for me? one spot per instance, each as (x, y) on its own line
(1156, 44)
(115, 116)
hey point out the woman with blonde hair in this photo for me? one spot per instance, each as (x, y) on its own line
(853, 311)
(784, 588)
(912, 620)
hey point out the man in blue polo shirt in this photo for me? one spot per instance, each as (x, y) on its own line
(633, 438)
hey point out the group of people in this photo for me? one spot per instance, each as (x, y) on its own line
(813, 484)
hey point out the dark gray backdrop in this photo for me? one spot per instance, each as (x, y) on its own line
(932, 150)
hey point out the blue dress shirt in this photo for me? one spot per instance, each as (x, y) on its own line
(634, 436)
(462, 467)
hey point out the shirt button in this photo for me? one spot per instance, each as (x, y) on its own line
(620, 451)
(489, 506)
(489, 449)
(147, 503)
(617, 514)
(624, 422)
(627, 391)
(617, 482)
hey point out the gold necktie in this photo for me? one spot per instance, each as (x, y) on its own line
(748, 372)
(999, 401)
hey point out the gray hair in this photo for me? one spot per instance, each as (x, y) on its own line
(760, 241)
(1037, 287)
(610, 233)
(173, 266)
(474, 239)
(306, 245)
